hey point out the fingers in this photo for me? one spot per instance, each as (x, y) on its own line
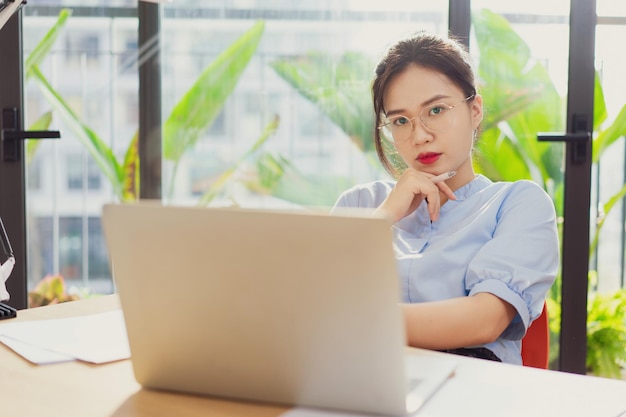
(415, 187)
(442, 177)
(443, 187)
(412, 188)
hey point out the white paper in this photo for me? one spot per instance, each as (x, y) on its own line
(96, 338)
(312, 412)
(5, 271)
(35, 354)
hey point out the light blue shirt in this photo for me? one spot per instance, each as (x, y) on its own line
(499, 238)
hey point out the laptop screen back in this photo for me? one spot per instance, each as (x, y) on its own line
(286, 307)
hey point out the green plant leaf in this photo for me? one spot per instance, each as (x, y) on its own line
(519, 95)
(130, 169)
(221, 181)
(599, 104)
(270, 169)
(506, 86)
(311, 190)
(606, 333)
(544, 158)
(43, 123)
(497, 39)
(98, 150)
(610, 135)
(339, 87)
(45, 45)
(205, 99)
(498, 158)
(606, 208)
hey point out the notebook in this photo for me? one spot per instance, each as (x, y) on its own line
(288, 307)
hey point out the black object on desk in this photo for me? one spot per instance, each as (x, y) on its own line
(6, 311)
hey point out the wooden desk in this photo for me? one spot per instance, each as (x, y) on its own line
(479, 388)
(77, 389)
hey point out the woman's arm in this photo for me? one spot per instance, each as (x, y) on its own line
(506, 279)
(457, 322)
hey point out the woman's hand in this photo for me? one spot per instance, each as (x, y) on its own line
(411, 189)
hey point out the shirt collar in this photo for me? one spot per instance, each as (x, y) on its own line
(477, 184)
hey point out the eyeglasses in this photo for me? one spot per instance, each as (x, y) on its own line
(436, 117)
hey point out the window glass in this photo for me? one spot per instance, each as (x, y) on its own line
(610, 175)
(85, 84)
(310, 74)
(521, 53)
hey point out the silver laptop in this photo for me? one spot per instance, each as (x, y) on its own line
(293, 307)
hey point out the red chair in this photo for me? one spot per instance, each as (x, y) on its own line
(536, 342)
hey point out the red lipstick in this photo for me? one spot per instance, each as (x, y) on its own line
(428, 158)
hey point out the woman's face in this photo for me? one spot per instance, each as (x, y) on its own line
(415, 91)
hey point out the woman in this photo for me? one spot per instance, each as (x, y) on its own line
(475, 258)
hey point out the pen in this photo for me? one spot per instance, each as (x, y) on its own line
(443, 177)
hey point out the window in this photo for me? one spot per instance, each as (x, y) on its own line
(93, 69)
(85, 46)
(82, 173)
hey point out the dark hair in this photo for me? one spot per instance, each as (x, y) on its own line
(445, 55)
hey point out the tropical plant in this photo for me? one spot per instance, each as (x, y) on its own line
(204, 101)
(606, 328)
(50, 290)
(266, 181)
(339, 88)
(36, 56)
(190, 117)
(188, 120)
(521, 101)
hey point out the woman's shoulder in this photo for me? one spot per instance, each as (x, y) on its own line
(524, 193)
(523, 186)
(370, 194)
(377, 186)
(483, 187)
